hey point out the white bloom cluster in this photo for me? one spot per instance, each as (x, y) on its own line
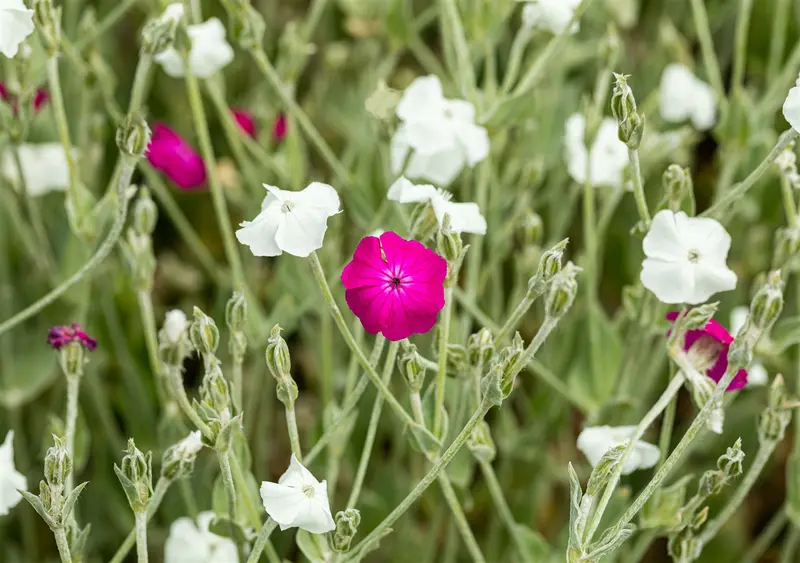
(684, 97)
(210, 51)
(464, 217)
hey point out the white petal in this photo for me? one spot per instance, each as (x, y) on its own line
(11, 480)
(670, 282)
(398, 150)
(210, 51)
(185, 543)
(553, 15)
(319, 196)
(676, 94)
(44, 167)
(710, 279)
(475, 141)
(757, 375)
(282, 503)
(716, 420)
(297, 475)
(315, 514)
(596, 441)
(791, 108)
(16, 23)
(460, 111)
(440, 168)
(260, 233)
(663, 241)
(422, 99)
(609, 156)
(738, 318)
(576, 154)
(643, 456)
(302, 231)
(432, 135)
(706, 235)
(175, 324)
(404, 190)
(174, 12)
(464, 217)
(171, 62)
(704, 110)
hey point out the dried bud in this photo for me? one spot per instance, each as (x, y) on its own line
(133, 136)
(347, 522)
(480, 347)
(145, 213)
(204, 333)
(236, 312)
(480, 443)
(278, 359)
(767, 304)
(413, 368)
(730, 463)
(677, 182)
(563, 289)
(57, 464)
(136, 476)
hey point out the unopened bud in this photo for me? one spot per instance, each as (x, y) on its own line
(178, 460)
(480, 443)
(347, 522)
(136, 476)
(775, 418)
(677, 182)
(509, 359)
(451, 248)
(787, 245)
(768, 303)
(133, 136)
(561, 294)
(57, 464)
(215, 389)
(47, 18)
(623, 107)
(145, 213)
(697, 317)
(236, 312)
(204, 333)
(413, 369)
(480, 347)
(278, 359)
(549, 267)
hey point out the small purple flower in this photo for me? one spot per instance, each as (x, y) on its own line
(60, 336)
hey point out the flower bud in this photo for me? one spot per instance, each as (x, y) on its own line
(775, 418)
(623, 107)
(247, 26)
(133, 136)
(697, 317)
(787, 245)
(236, 312)
(204, 333)
(159, 34)
(347, 522)
(145, 213)
(480, 443)
(677, 182)
(767, 304)
(278, 359)
(287, 392)
(413, 368)
(57, 464)
(549, 267)
(136, 476)
(480, 347)
(47, 18)
(215, 389)
(509, 359)
(178, 460)
(451, 248)
(561, 294)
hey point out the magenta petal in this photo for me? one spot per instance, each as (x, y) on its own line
(396, 322)
(366, 304)
(279, 128)
(171, 154)
(246, 121)
(40, 99)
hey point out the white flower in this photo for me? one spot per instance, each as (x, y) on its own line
(441, 134)
(175, 324)
(298, 500)
(16, 23)
(686, 258)
(189, 447)
(464, 217)
(791, 107)
(595, 441)
(209, 53)
(553, 15)
(608, 156)
(683, 96)
(190, 543)
(44, 167)
(11, 480)
(293, 222)
(756, 372)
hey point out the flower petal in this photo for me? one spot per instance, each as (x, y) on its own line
(440, 168)
(663, 241)
(282, 503)
(464, 217)
(422, 99)
(260, 234)
(404, 190)
(710, 279)
(669, 282)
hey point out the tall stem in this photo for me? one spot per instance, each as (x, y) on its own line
(73, 389)
(780, 22)
(740, 42)
(707, 46)
(60, 114)
(294, 436)
(224, 459)
(175, 381)
(162, 485)
(261, 541)
(460, 518)
(441, 379)
(141, 536)
(638, 187)
(62, 544)
(148, 318)
(499, 500)
(766, 537)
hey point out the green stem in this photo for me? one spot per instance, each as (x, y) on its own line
(106, 23)
(789, 205)
(711, 529)
(141, 536)
(740, 189)
(294, 436)
(217, 195)
(73, 390)
(175, 381)
(98, 257)
(740, 43)
(155, 501)
(237, 379)
(707, 46)
(224, 459)
(60, 114)
(464, 71)
(372, 429)
(261, 541)
(666, 429)
(780, 22)
(666, 398)
(416, 407)
(319, 274)
(521, 40)
(460, 518)
(638, 187)
(767, 537)
(63, 545)
(145, 300)
(516, 317)
(441, 379)
(499, 500)
(420, 488)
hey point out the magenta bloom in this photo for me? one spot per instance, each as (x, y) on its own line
(395, 286)
(171, 154)
(279, 128)
(716, 340)
(245, 120)
(39, 99)
(60, 336)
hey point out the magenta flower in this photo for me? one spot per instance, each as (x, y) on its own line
(395, 286)
(60, 336)
(713, 340)
(171, 154)
(279, 128)
(39, 99)
(245, 120)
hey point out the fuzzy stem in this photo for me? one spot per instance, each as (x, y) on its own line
(777, 45)
(416, 407)
(152, 506)
(141, 535)
(73, 390)
(294, 435)
(789, 205)
(499, 500)
(460, 518)
(147, 315)
(516, 317)
(98, 257)
(464, 70)
(63, 545)
(740, 42)
(707, 46)
(372, 429)
(224, 458)
(766, 537)
(62, 124)
(441, 379)
(638, 187)
(261, 541)
(711, 529)
(175, 381)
